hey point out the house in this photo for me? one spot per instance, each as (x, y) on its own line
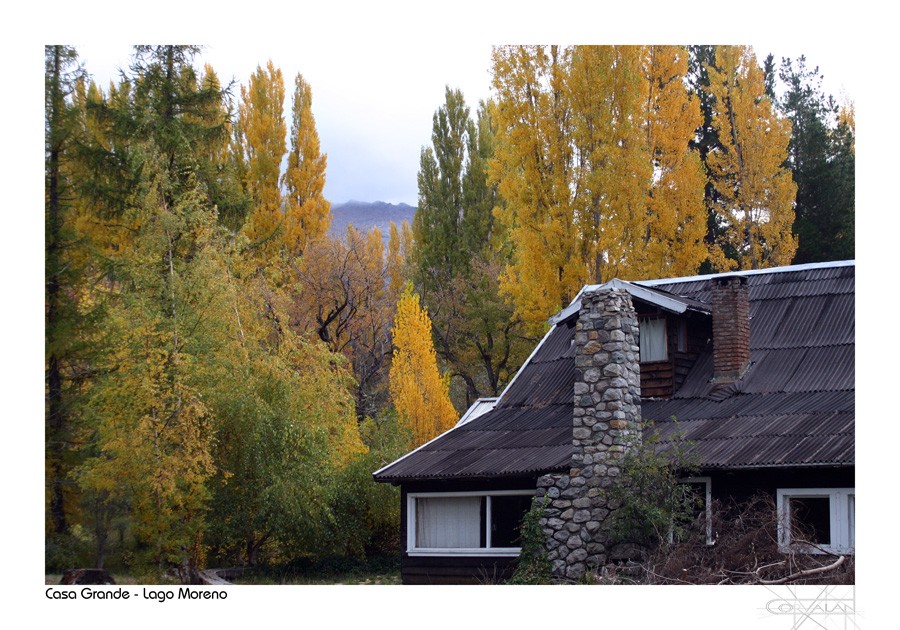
(754, 369)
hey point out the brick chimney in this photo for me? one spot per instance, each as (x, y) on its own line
(731, 328)
(605, 423)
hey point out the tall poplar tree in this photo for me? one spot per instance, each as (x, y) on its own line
(532, 167)
(308, 213)
(595, 165)
(221, 168)
(261, 121)
(755, 190)
(438, 221)
(673, 244)
(457, 252)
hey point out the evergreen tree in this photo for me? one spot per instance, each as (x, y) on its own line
(62, 277)
(705, 141)
(820, 159)
(151, 438)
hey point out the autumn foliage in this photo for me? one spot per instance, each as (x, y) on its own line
(418, 391)
(223, 373)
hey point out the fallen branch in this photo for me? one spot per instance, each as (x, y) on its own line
(802, 574)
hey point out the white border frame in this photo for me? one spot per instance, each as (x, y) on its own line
(411, 548)
(842, 534)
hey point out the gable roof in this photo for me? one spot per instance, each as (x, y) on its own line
(793, 407)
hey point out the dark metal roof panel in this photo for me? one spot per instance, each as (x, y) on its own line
(542, 384)
(793, 407)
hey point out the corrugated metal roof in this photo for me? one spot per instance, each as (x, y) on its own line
(793, 407)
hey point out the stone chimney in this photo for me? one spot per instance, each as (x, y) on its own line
(731, 328)
(606, 420)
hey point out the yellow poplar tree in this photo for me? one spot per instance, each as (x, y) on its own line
(532, 166)
(756, 191)
(420, 395)
(613, 167)
(308, 213)
(594, 162)
(673, 244)
(261, 121)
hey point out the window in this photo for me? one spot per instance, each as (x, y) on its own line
(817, 520)
(701, 489)
(653, 339)
(681, 341)
(466, 523)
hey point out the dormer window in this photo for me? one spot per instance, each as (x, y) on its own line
(653, 339)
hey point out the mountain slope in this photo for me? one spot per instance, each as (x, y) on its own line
(365, 215)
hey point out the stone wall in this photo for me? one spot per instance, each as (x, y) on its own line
(606, 419)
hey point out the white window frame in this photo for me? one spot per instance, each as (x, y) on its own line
(842, 519)
(707, 505)
(487, 550)
(665, 334)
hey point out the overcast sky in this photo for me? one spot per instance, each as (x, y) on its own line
(372, 101)
(375, 91)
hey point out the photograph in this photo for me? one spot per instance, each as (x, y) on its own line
(390, 305)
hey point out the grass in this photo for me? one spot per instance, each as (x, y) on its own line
(304, 571)
(326, 571)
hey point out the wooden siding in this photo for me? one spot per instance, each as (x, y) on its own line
(456, 570)
(657, 378)
(740, 485)
(660, 379)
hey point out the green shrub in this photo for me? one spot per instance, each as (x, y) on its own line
(533, 566)
(652, 506)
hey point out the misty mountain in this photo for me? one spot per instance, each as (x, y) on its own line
(364, 215)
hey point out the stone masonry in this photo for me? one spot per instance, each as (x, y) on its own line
(606, 419)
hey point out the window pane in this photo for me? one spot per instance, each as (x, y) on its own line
(449, 522)
(811, 520)
(682, 336)
(506, 517)
(852, 508)
(653, 340)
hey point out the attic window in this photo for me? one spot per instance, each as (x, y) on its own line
(653, 339)
(466, 523)
(817, 520)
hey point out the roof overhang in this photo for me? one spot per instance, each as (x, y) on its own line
(661, 299)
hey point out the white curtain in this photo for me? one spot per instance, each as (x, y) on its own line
(448, 522)
(653, 340)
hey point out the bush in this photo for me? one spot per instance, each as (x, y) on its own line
(533, 567)
(652, 507)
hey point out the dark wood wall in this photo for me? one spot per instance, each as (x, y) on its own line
(740, 485)
(661, 379)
